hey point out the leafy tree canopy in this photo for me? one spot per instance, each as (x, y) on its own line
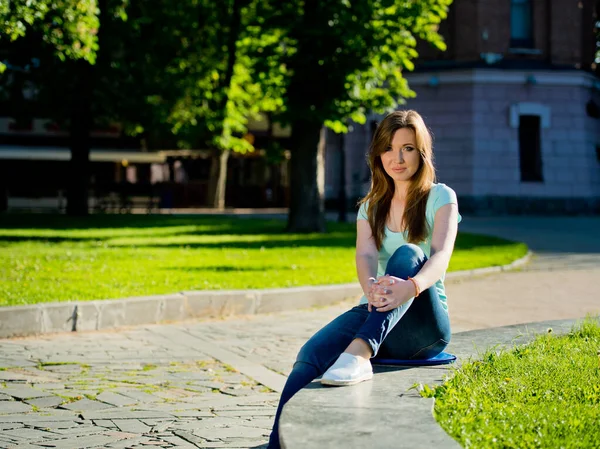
(69, 26)
(341, 59)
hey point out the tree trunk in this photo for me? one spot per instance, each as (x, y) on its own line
(342, 198)
(307, 180)
(219, 201)
(213, 179)
(217, 186)
(80, 127)
(81, 121)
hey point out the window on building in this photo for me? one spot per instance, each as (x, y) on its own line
(521, 24)
(530, 150)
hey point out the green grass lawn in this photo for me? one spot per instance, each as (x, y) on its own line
(47, 258)
(542, 395)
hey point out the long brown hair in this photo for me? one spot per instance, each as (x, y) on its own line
(382, 186)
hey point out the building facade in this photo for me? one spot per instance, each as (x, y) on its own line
(35, 169)
(513, 105)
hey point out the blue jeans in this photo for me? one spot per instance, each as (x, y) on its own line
(419, 329)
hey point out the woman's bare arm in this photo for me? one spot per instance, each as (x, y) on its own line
(366, 255)
(445, 228)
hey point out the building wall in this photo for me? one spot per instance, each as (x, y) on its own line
(474, 118)
(592, 146)
(355, 145)
(569, 136)
(566, 37)
(562, 32)
(472, 104)
(448, 113)
(565, 155)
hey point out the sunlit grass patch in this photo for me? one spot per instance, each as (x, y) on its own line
(542, 395)
(58, 258)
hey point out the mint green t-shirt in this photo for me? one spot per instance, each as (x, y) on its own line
(439, 195)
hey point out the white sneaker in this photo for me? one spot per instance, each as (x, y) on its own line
(347, 370)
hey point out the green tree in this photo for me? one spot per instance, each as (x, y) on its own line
(68, 26)
(65, 37)
(175, 74)
(179, 76)
(219, 93)
(343, 58)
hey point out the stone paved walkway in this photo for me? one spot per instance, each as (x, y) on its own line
(215, 384)
(211, 385)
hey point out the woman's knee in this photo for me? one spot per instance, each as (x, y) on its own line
(310, 355)
(305, 354)
(406, 261)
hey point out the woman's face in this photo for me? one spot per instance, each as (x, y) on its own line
(401, 159)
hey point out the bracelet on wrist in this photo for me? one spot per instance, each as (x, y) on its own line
(417, 289)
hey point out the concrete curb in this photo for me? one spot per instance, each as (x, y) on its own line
(488, 270)
(20, 321)
(330, 418)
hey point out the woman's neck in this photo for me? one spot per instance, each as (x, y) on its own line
(400, 192)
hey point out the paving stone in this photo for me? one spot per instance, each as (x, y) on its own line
(6, 442)
(30, 434)
(230, 432)
(246, 413)
(36, 375)
(83, 429)
(5, 397)
(73, 394)
(51, 415)
(48, 401)
(237, 391)
(85, 441)
(196, 389)
(18, 444)
(163, 434)
(211, 385)
(15, 363)
(10, 425)
(50, 386)
(266, 423)
(25, 445)
(54, 425)
(193, 376)
(138, 395)
(120, 434)
(9, 440)
(12, 376)
(125, 414)
(126, 444)
(105, 423)
(115, 399)
(7, 407)
(207, 423)
(86, 404)
(190, 438)
(23, 392)
(179, 442)
(152, 443)
(236, 443)
(153, 422)
(192, 414)
(233, 378)
(70, 369)
(158, 427)
(131, 425)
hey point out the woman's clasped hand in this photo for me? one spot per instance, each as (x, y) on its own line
(389, 292)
